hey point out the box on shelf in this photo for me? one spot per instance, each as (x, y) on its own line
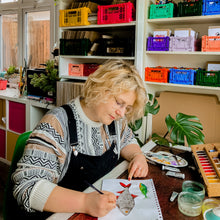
(211, 7)
(184, 32)
(210, 44)
(158, 43)
(74, 17)
(214, 31)
(208, 78)
(191, 8)
(162, 33)
(82, 69)
(3, 84)
(162, 11)
(118, 13)
(182, 76)
(2, 143)
(156, 74)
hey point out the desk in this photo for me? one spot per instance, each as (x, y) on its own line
(165, 185)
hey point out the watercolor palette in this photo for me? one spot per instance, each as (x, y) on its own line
(166, 158)
(208, 160)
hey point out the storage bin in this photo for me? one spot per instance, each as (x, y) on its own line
(17, 113)
(74, 17)
(182, 43)
(2, 143)
(208, 78)
(82, 69)
(182, 76)
(158, 43)
(3, 84)
(211, 7)
(118, 13)
(192, 8)
(210, 44)
(162, 11)
(156, 74)
(74, 46)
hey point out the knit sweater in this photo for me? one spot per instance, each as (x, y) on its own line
(47, 152)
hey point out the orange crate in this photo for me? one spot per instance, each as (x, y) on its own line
(82, 69)
(156, 74)
(211, 43)
(3, 84)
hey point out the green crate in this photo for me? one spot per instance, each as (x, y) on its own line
(208, 78)
(162, 11)
(190, 8)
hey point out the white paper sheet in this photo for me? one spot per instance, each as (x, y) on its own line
(145, 208)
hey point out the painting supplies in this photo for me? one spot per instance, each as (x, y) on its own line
(170, 168)
(173, 196)
(89, 184)
(174, 174)
(189, 204)
(210, 209)
(207, 158)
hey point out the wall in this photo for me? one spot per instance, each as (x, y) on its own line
(206, 108)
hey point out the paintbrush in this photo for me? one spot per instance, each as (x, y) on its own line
(89, 184)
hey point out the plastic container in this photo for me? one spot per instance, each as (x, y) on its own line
(211, 7)
(182, 44)
(211, 43)
(161, 11)
(3, 84)
(158, 43)
(194, 187)
(189, 204)
(156, 74)
(82, 69)
(74, 17)
(118, 13)
(210, 209)
(192, 8)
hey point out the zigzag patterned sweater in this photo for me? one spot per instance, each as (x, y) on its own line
(47, 153)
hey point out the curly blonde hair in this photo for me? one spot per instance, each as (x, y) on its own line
(112, 78)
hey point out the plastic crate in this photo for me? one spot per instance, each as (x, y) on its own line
(118, 13)
(3, 84)
(162, 11)
(158, 43)
(182, 76)
(2, 143)
(75, 46)
(17, 115)
(208, 78)
(182, 44)
(192, 8)
(82, 69)
(156, 74)
(210, 44)
(74, 17)
(211, 7)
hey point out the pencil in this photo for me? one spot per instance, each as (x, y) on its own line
(93, 187)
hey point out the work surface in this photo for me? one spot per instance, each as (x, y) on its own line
(165, 185)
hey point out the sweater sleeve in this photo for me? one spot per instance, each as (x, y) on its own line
(40, 167)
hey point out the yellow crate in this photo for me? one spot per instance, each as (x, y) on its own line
(74, 17)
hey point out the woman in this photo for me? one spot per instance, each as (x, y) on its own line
(53, 172)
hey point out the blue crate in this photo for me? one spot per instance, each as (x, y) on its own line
(211, 7)
(182, 76)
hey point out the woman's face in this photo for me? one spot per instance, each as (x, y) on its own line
(116, 107)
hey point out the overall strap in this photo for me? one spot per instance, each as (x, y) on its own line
(71, 124)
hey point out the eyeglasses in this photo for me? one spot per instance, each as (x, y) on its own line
(121, 105)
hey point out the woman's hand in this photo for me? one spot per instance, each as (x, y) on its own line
(99, 205)
(138, 166)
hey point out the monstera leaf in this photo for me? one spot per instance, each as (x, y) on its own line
(185, 127)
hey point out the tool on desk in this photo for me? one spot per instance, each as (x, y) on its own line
(173, 196)
(174, 174)
(170, 168)
(89, 184)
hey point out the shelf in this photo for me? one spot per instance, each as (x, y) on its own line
(161, 87)
(96, 57)
(186, 20)
(83, 78)
(183, 53)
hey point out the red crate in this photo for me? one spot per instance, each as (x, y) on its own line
(17, 115)
(211, 43)
(82, 69)
(118, 13)
(2, 143)
(156, 74)
(3, 84)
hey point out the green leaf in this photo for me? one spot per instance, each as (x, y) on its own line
(185, 127)
(151, 106)
(136, 126)
(160, 140)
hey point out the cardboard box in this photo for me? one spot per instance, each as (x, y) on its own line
(184, 32)
(162, 32)
(214, 31)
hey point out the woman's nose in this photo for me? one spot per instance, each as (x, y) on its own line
(121, 112)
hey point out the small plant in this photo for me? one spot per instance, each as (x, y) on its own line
(46, 81)
(10, 71)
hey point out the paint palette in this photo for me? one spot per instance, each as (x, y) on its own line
(166, 158)
(208, 160)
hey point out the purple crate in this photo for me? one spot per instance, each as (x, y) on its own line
(182, 44)
(158, 43)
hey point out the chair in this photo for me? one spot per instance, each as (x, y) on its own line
(9, 200)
